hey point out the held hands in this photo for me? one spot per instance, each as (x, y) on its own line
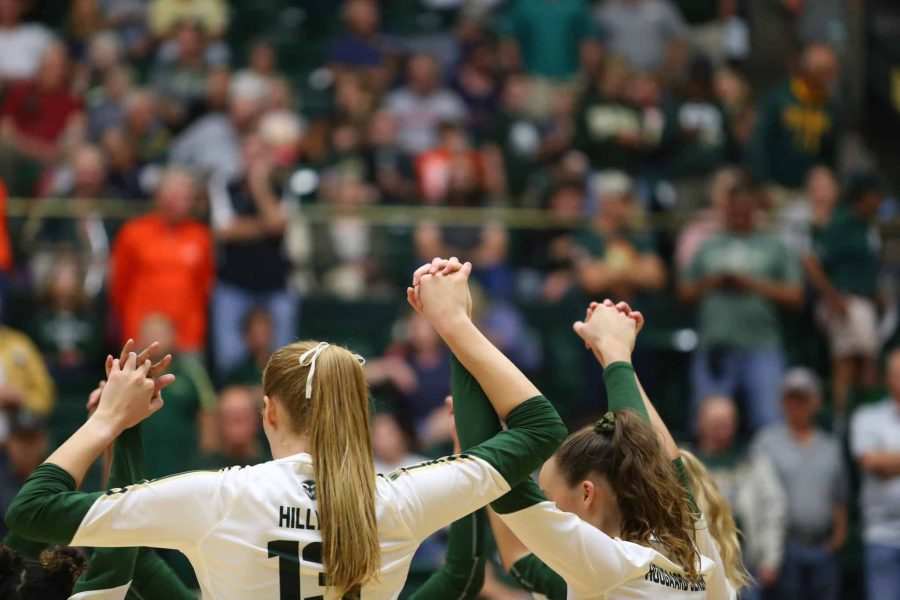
(610, 331)
(440, 291)
(129, 395)
(157, 371)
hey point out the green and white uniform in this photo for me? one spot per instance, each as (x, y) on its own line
(254, 533)
(572, 558)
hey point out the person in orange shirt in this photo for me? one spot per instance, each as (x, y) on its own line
(5, 251)
(163, 263)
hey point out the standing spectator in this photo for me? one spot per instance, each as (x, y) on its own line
(25, 448)
(249, 221)
(618, 259)
(802, 221)
(239, 428)
(875, 442)
(797, 127)
(810, 465)
(258, 339)
(548, 38)
(844, 269)
(421, 105)
(648, 34)
(24, 380)
(163, 263)
(37, 116)
(750, 483)
(22, 45)
(740, 278)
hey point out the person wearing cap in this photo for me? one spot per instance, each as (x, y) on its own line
(875, 444)
(25, 448)
(810, 465)
(843, 269)
(24, 380)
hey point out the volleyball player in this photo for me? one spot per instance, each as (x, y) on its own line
(266, 531)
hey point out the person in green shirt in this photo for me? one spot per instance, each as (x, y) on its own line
(259, 341)
(239, 429)
(798, 125)
(843, 269)
(740, 279)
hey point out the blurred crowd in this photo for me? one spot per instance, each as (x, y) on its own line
(663, 175)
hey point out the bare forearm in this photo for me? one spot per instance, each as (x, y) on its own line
(816, 275)
(787, 295)
(503, 383)
(79, 452)
(510, 548)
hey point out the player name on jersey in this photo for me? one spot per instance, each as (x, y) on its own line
(292, 517)
(674, 580)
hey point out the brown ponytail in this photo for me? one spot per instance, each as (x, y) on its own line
(627, 452)
(336, 421)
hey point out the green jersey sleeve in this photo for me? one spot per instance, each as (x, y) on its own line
(536, 577)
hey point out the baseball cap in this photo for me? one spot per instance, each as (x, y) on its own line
(803, 381)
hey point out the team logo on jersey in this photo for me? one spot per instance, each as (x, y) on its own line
(310, 488)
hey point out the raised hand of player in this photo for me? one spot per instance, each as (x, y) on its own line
(157, 371)
(609, 332)
(129, 395)
(440, 292)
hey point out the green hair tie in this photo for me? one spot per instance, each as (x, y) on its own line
(606, 424)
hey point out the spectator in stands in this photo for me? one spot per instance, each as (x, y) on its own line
(143, 126)
(211, 16)
(434, 167)
(124, 168)
(22, 45)
(261, 71)
(741, 278)
(163, 263)
(239, 428)
(37, 117)
(802, 221)
(361, 48)
(387, 166)
(750, 484)
(614, 257)
(697, 140)
(24, 380)
(548, 40)
(797, 127)
(128, 18)
(173, 437)
(706, 223)
(476, 82)
(393, 442)
(259, 338)
(734, 93)
(648, 34)
(843, 269)
(26, 447)
(212, 143)
(83, 24)
(249, 220)
(6, 257)
(708, 24)
(421, 105)
(810, 465)
(106, 106)
(875, 443)
(65, 326)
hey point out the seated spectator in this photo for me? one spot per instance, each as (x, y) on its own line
(38, 116)
(421, 105)
(548, 41)
(106, 106)
(648, 34)
(433, 167)
(697, 141)
(613, 257)
(387, 166)
(209, 15)
(709, 23)
(875, 444)
(173, 275)
(239, 429)
(249, 219)
(810, 465)
(843, 269)
(361, 48)
(125, 171)
(803, 220)
(476, 83)
(261, 71)
(180, 75)
(258, 340)
(734, 93)
(25, 382)
(174, 436)
(22, 45)
(26, 446)
(750, 484)
(393, 442)
(143, 126)
(741, 278)
(65, 327)
(128, 18)
(707, 223)
(417, 369)
(797, 127)
(84, 21)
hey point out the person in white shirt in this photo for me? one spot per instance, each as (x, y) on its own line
(21, 44)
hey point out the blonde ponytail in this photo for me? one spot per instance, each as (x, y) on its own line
(719, 519)
(335, 419)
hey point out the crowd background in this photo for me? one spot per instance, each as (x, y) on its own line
(224, 178)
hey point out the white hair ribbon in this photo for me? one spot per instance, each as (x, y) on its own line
(308, 359)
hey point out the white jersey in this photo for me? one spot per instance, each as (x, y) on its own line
(595, 565)
(253, 532)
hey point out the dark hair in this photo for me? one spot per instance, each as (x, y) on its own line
(633, 461)
(860, 186)
(52, 576)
